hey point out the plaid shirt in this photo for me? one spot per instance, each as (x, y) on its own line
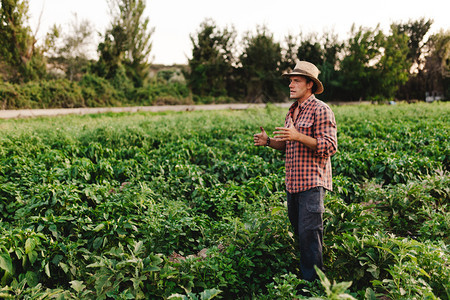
(306, 168)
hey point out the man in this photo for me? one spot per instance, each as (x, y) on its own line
(309, 140)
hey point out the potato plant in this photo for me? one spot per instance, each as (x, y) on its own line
(181, 205)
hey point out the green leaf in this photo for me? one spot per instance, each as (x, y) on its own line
(30, 244)
(64, 267)
(32, 278)
(209, 294)
(19, 253)
(32, 256)
(97, 243)
(370, 294)
(177, 297)
(77, 285)
(374, 270)
(276, 209)
(102, 283)
(138, 247)
(6, 262)
(424, 272)
(54, 230)
(155, 259)
(325, 282)
(96, 265)
(47, 269)
(99, 227)
(341, 287)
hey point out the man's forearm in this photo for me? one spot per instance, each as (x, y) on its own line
(308, 141)
(276, 144)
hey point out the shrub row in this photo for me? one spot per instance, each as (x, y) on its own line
(90, 91)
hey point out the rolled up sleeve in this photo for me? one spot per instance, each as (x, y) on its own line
(325, 131)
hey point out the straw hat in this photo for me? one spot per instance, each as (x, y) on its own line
(305, 68)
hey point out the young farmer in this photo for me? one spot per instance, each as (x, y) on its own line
(309, 140)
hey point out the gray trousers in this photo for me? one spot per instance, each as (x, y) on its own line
(305, 211)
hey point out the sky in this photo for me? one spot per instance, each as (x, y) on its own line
(175, 20)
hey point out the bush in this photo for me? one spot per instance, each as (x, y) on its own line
(160, 93)
(98, 91)
(60, 93)
(91, 91)
(10, 96)
(153, 205)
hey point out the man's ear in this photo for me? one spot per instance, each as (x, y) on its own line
(310, 85)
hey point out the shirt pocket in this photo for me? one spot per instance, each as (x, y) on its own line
(305, 128)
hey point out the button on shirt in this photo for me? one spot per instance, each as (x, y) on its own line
(306, 168)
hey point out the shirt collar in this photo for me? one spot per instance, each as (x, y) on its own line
(303, 105)
(307, 102)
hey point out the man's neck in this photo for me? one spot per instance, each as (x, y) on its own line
(303, 99)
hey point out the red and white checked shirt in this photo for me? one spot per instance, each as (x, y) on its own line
(306, 168)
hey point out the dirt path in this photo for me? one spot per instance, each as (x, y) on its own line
(28, 113)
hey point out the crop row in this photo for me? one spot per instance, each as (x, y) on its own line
(183, 205)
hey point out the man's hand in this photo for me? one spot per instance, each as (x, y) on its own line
(287, 133)
(260, 139)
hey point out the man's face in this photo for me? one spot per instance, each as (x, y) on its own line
(299, 88)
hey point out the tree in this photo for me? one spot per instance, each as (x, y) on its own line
(393, 66)
(357, 70)
(126, 47)
(18, 52)
(310, 50)
(322, 52)
(329, 70)
(416, 32)
(260, 64)
(69, 51)
(375, 64)
(329, 49)
(437, 64)
(289, 53)
(211, 66)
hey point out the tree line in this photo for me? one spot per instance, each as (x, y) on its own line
(405, 63)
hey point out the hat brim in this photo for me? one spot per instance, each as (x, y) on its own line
(316, 81)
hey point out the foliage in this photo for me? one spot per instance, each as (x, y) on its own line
(211, 66)
(437, 63)
(127, 45)
(310, 49)
(59, 93)
(358, 71)
(97, 91)
(416, 31)
(182, 206)
(334, 291)
(90, 91)
(323, 52)
(370, 65)
(392, 67)
(68, 49)
(161, 92)
(261, 59)
(404, 63)
(17, 44)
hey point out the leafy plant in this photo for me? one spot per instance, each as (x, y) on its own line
(182, 205)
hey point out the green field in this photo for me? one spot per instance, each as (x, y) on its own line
(183, 206)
